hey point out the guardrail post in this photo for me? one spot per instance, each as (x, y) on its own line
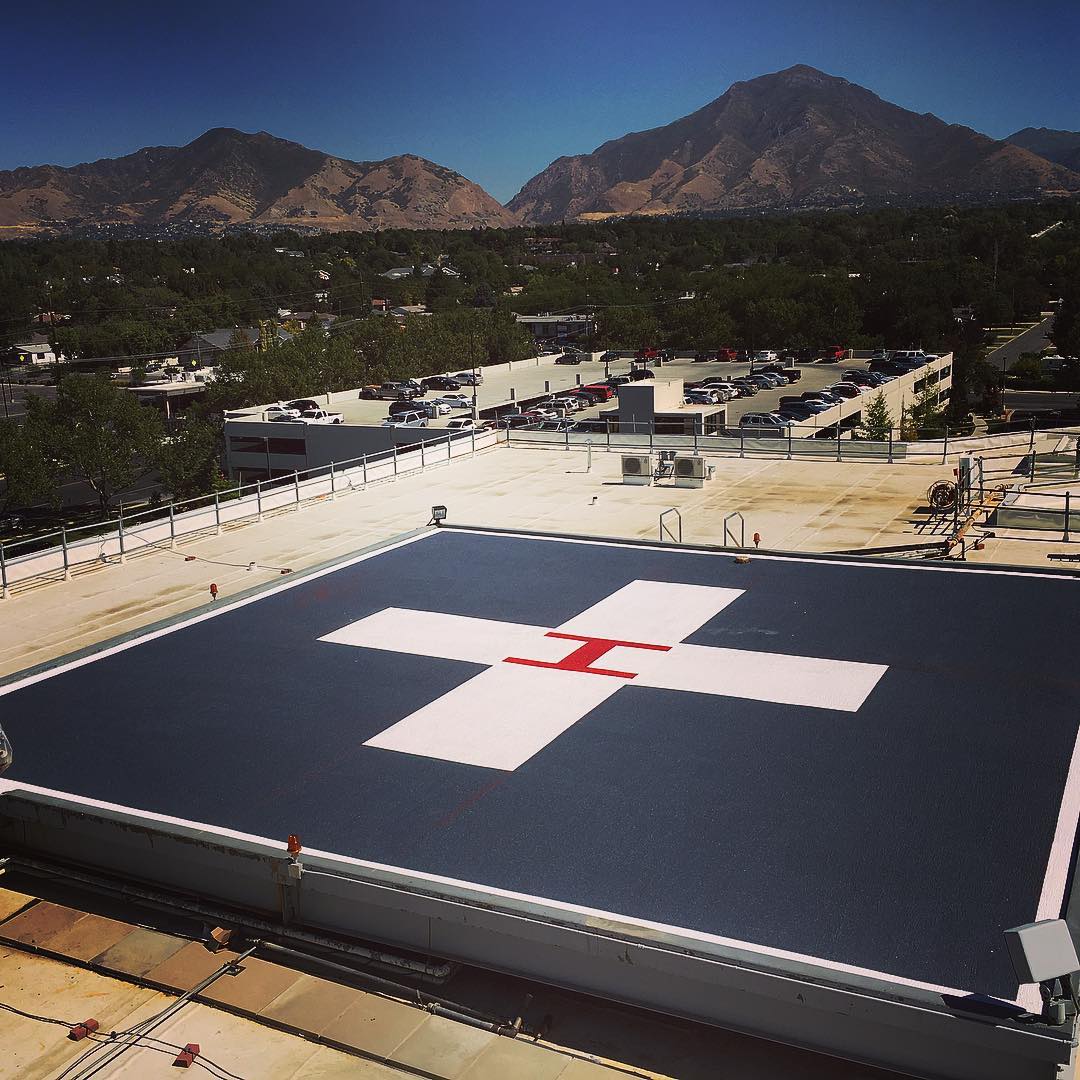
(652, 434)
(742, 443)
(296, 487)
(695, 440)
(217, 513)
(394, 451)
(64, 553)
(3, 574)
(120, 537)
(472, 441)
(945, 446)
(789, 427)
(1065, 535)
(258, 499)
(838, 440)
(363, 465)
(331, 481)
(890, 445)
(172, 527)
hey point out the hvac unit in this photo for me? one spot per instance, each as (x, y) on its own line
(636, 469)
(689, 472)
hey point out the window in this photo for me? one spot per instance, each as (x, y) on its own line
(239, 444)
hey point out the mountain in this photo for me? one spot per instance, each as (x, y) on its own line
(227, 176)
(1062, 147)
(797, 138)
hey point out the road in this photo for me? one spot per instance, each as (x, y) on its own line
(13, 398)
(1033, 340)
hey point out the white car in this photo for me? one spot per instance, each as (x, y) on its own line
(409, 419)
(281, 412)
(453, 401)
(321, 416)
(460, 423)
(766, 356)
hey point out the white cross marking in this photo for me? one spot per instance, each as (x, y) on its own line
(540, 682)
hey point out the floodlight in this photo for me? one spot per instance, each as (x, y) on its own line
(1044, 953)
(438, 513)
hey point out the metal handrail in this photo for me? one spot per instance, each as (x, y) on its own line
(665, 529)
(742, 528)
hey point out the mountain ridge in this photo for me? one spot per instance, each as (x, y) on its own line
(1061, 147)
(226, 176)
(793, 139)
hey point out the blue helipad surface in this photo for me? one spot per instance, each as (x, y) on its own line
(863, 764)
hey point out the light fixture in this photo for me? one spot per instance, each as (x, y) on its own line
(438, 513)
(1043, 952)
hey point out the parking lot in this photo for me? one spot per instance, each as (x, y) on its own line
(505, 385)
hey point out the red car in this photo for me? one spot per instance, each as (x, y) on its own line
(729, 356)
(606, 392)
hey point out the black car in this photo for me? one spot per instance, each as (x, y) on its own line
(637, 374)
(440, 382)
(303, 404)
(571, 356)
(795, 410)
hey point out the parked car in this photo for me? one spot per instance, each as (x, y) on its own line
(705, 357)
(762, 382)
(727, 356)
(591, 426)
(573, 402)
(432, 408)
(515, 420)
(847, 390)
(321, 416)
(302, 404)
(765, 356)
(618, 380)
(281, 412)
(746, 387)
(639, 373)
(542, 412)
(440, 382)
(397, 408)
(588, 397)
(773, 422)
(609, 357)
(775, 378)
(572, 356)
(455, 401)
(603, 390)
(700, 397)
(461, 423)
(469, 378)
(393, 391)
(409, 419)
(562, 424)
(799, 412)
(823, 395)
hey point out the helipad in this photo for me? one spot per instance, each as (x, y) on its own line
(869, 769)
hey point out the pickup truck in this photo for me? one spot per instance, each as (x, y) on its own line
(392, 391)
(321, 416)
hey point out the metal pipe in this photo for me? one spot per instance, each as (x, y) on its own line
(3, 575)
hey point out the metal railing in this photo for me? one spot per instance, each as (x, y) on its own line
(665, 530)
(804, 442)
(57, 555)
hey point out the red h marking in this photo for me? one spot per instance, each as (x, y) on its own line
(582, 657)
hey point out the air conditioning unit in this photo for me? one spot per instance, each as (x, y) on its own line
(689, 472)
(637, 469)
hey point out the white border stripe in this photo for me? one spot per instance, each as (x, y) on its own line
(217, 833)
(217, 609)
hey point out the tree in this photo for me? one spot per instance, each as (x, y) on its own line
(877, 421)
(28, 458)
(190, 460)
(102, 434)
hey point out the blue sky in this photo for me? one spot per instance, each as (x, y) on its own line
(498, 90)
